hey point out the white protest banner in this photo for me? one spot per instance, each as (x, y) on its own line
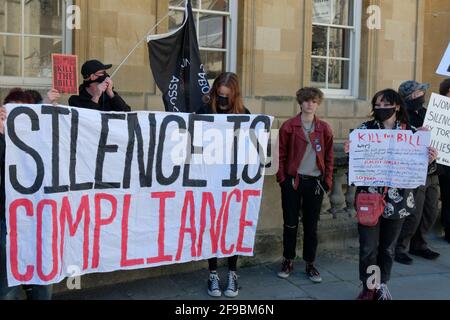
(438, 121)
(391, 158)
(444, 66)
(113, 191)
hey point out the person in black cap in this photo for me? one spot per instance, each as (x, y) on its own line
(418, 224)
(97, 91)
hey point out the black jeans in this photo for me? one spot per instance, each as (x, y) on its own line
(232, 263)
(308, 197)
(422, 219)
(377, 247)
(444, 182)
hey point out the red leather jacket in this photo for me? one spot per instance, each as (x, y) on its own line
(293, 146)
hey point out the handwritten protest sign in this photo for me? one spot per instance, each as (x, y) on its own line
(438, 121)
(392, 158)
(65, 73)
(444, 66)
(112, 191)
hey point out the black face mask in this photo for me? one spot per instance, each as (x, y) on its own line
(384, 114)
(100, 79)
(416, 104)
(223, 102)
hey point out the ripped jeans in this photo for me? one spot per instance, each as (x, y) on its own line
(307, 198)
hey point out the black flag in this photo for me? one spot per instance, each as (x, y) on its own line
(176, 67)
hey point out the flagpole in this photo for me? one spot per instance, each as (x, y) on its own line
(144, 38)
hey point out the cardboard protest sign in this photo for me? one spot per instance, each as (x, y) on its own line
(65, 73)
(111, 191)
(391, 158)
(437, 120)
(444, 66)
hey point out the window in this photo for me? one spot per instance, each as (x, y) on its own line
(30, 31)
(216, 24)
(335, 46)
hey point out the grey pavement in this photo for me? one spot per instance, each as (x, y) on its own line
(423, 280)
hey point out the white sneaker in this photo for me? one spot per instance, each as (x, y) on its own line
(214, 286)
(313, 274)
(287, 266)
(232, 290)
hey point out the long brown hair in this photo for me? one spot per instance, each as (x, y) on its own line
(231, 81)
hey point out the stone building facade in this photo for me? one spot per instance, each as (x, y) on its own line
(352, 47)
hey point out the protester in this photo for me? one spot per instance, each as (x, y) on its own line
(52, 96)
(33, 292)
(225, 98)
(444, 177)
(418, 224)
(305, 174)
(377, 243)
(97, 90)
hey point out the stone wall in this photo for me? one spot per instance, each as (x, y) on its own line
(436, 40)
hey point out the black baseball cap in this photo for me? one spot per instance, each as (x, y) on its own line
(92, 66)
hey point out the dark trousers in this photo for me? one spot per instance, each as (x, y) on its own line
(232, 263)
(420, 222)
(377, 247)
(308, 197)
(444, 182)
(33, 292)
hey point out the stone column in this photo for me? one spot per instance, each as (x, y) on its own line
(350, 201)
(337, 197)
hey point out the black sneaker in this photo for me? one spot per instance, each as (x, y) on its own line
(213, 285)
(403, 258)
(287, 266)
(232, 290)
(426, 254)
(313, 273)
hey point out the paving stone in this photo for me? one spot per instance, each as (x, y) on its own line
(424, 287)
(333, 291)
